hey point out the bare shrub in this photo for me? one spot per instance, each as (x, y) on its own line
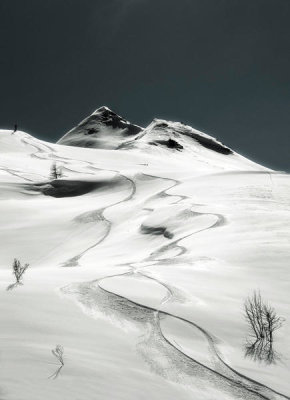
(18, 270)
(261, 317)
(55, 171)
(272, 321)
(58, 353)
(253, 308)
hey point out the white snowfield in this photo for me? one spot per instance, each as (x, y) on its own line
(141, 257)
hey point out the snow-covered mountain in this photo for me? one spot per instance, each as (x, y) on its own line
(142, 252)
(178, 136)
(103, 129)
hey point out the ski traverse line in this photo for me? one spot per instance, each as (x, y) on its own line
(74, 260)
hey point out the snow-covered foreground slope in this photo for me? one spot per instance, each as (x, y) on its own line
(140, 261)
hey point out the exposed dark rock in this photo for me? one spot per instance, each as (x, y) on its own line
(170, 143)
(156, 230)
(207, 142)
(161, 125)
(107, 117)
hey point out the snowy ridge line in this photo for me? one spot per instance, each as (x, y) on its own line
(39, 149)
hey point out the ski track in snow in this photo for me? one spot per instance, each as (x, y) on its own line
(227, 377)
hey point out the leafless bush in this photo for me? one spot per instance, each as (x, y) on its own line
(58, 353)
(261, 317)
(55, 171)
(18, 270)
(272, 321)
(253, 308)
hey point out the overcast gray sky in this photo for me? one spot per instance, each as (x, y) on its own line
(222, 66)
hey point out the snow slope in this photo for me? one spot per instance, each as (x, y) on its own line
(141, 256)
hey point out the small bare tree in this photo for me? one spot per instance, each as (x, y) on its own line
(272, 321)
(58, 353)
(55, 171)
(261, 317)
(18, 270)
(253, 308)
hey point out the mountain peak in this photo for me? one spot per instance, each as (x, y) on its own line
(102, 109)
(107, 130)
(179, 135)
(102, 129)
(105, 110)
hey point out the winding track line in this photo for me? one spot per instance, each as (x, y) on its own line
(74, 261)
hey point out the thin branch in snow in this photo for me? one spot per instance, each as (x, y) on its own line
(58, 353)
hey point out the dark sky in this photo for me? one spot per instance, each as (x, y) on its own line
(222, 66)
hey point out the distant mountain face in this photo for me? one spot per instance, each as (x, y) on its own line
(103, 129)
(106, 130)
(177, 136)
